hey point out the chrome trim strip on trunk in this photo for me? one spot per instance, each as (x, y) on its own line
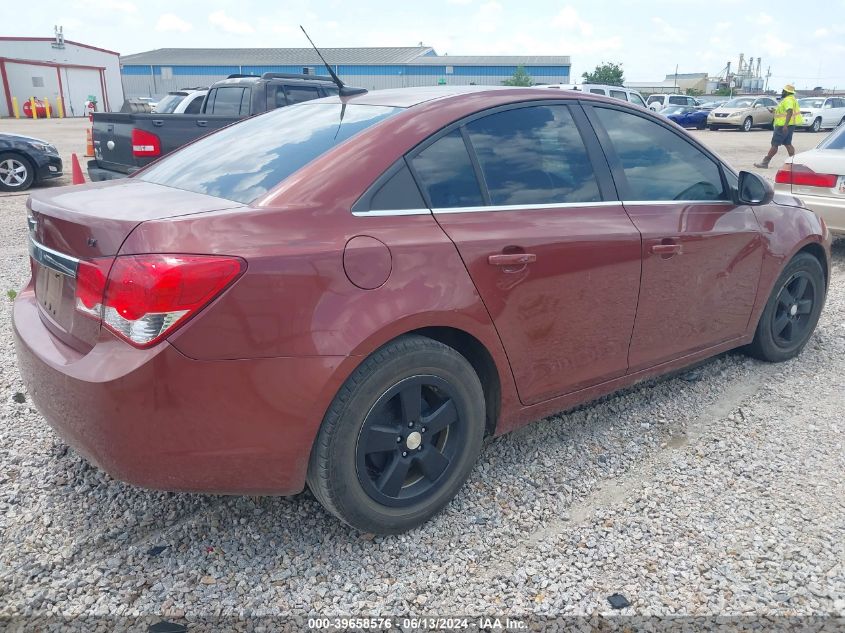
(53, 260)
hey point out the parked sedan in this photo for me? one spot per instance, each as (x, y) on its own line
(821, 113)
(817, 177)
(357, 298)
(25, 160)
(686, 116)
(743, 113)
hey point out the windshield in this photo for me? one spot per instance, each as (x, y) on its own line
(738, 103)
(243, 161)
(836, 139)
(811, 103)
(168, 104)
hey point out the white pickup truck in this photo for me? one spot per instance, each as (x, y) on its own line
(186, 101)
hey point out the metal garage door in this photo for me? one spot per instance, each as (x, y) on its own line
(78, 83)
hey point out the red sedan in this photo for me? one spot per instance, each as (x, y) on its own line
(352, 292)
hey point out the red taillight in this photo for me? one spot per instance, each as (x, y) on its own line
(143, 298)
(145, 143)
(802, 175)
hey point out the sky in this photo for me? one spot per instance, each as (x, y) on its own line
(649, 37)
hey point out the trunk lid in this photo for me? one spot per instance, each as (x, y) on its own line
(69, 224)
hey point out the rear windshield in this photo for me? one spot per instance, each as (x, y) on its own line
(836, 140)
(169, 103)
(245, 160)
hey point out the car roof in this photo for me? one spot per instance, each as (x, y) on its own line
(409, 97)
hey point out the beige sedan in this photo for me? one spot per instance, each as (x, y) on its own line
(817, 177)
(743, 113)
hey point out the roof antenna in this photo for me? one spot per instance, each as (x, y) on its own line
(343, 89)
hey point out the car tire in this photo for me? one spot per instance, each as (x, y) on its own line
(713, 128)
(375, 483)
(16, 172)
(792, 311)
(747, 124)
(702, 125)
(817, 125)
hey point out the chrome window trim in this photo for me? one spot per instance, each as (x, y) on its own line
(391, 212)
(668, 202)
(527, 207)
(53, 260)
(534, 207)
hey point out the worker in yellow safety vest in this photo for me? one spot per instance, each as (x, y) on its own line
(787, 116)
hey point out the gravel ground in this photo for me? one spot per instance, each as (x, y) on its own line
(718, 492)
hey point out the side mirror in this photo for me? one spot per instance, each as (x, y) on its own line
(753, 189)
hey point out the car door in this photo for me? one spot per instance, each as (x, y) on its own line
(525, 194)
(829, 113)
(702, 253)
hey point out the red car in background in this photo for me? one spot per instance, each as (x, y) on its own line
(351, 292)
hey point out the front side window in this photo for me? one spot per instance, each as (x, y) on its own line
(533, 155)
(278, 99)
(298, 94)
(242, 162)
(657, 163)
(195, 105)
(227, 101)
(445, 173)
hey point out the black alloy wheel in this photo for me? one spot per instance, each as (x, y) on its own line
(795, 303)
(409, 441)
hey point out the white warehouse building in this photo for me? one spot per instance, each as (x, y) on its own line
(58, 70)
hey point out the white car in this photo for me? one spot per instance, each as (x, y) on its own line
(821, 112)
(817, 177)
(618, 92)
(657, 102)
(187, 101)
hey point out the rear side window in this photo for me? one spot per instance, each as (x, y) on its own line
(278, 99)
(399, 192)
(446, 174)
(298, 94)
(243, 161)
(619, 94)
(533, 155)
(678, 100)
(597, 91)
(227, 101)
(658, 164)
(195, 105)
(330, 92)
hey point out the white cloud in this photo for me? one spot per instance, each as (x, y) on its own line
(774, 45)
(822, 32)
(488, 18)
(569, 20)
(668, 33)
(107, 5)
(171, 22)
(229, 24)
(460, 1)
(764, 19)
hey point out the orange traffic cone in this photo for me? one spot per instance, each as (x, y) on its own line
(89, 143)
(76, 170)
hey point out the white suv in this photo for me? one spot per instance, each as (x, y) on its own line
(617, 92)
(187, 101)
(821, 112)
(658, 102)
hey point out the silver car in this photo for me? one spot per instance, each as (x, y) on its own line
(743, 113)
(817, 177)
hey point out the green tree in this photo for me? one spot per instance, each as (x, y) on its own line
(519, 78)
(605, 73)
(723, 92)
(694, 92)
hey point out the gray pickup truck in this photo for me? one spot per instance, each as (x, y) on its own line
(125, 142)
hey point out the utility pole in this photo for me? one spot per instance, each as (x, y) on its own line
(676, 78)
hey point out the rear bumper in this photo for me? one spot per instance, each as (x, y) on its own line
(831, 210)
(158, 419)
(97, 174)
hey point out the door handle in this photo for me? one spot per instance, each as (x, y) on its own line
(202, 123)
(666, 249)
(512, 259)
(158, 122)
